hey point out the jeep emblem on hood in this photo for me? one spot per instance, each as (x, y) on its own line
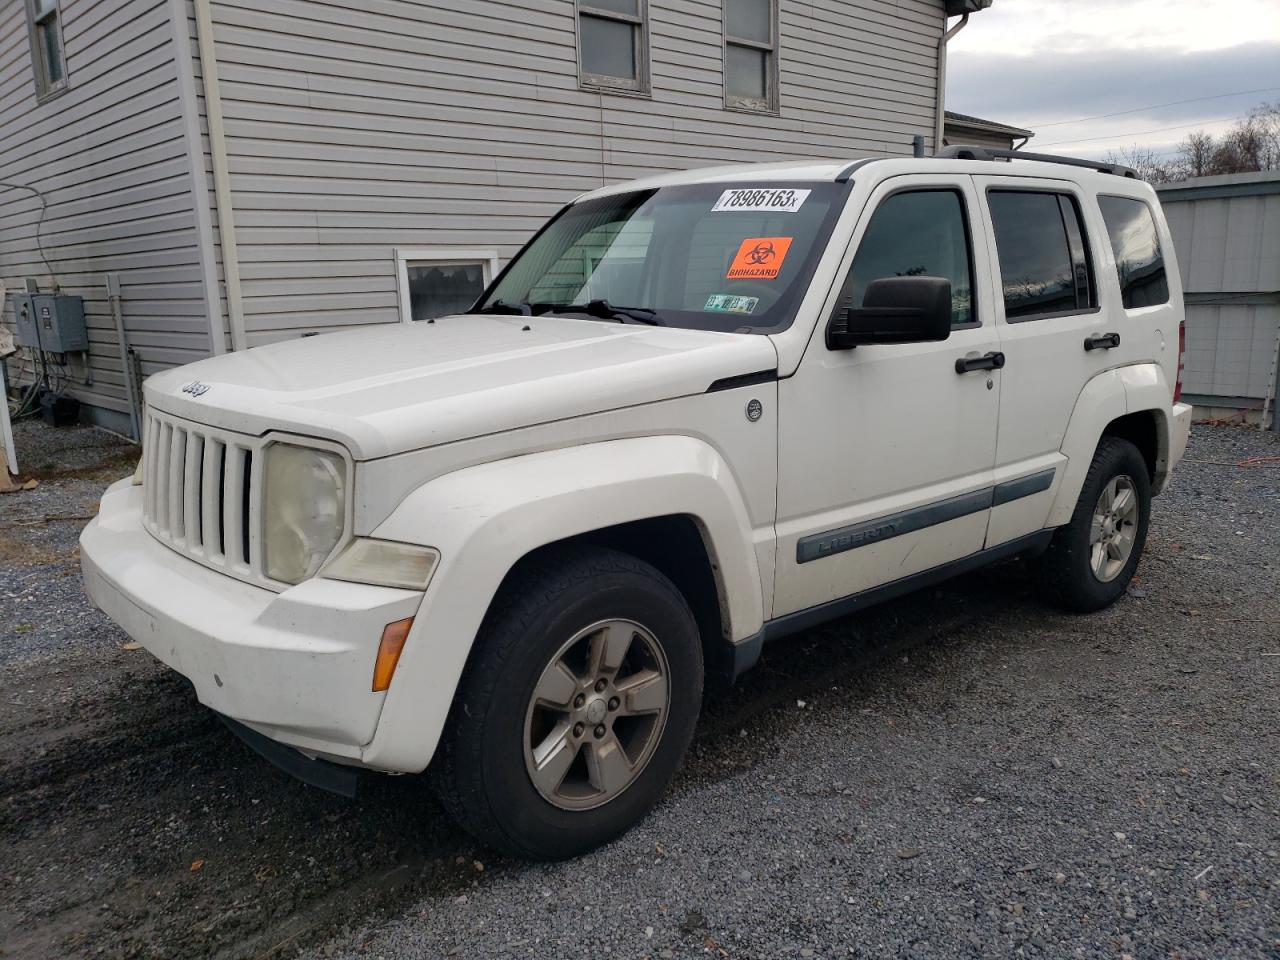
(196, 388)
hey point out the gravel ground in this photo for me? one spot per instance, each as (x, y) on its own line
(962, 773)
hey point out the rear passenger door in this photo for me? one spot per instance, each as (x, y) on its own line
(1043, 240)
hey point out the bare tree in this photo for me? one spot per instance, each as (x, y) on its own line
(1240, 149)
(1266, 119)
(1251, 145)
(1145, 161)
(1195, 155)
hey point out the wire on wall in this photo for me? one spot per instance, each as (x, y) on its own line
(28, 404)
(44, 206)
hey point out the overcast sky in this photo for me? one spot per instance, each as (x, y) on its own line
(1037, 63)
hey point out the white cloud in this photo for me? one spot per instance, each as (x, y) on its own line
(1036, 64)
(1033, 26)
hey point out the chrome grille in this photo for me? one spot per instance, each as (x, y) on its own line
(200, 494)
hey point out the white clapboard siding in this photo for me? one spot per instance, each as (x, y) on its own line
(352, 130)
(356, 129)
(110, 159)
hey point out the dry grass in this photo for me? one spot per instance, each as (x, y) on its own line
(16, 551)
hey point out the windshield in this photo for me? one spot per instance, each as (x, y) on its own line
(708, 256)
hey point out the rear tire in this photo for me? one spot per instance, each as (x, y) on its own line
(576, 708)
(1091, 560)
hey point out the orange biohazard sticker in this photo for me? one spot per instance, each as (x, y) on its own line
(759, 258)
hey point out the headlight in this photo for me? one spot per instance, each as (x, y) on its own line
(305, 509)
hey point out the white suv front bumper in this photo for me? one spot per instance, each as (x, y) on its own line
(295, 666)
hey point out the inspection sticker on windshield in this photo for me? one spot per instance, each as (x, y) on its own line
(760, 200)
(759, 258)
(723, 303)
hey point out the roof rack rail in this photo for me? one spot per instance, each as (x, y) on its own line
(849, 170)
(992, 153)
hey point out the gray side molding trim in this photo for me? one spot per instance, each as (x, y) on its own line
(1023, 486)
(819, 545)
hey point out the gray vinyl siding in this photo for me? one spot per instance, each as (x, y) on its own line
(1226, 232)
(975, 138)
(353, 130)
(1231, 350)
(110, 157)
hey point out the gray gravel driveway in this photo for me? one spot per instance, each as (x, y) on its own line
(962, 773)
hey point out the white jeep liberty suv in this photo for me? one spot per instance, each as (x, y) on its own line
(696, 413)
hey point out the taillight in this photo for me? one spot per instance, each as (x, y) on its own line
(1182, 360)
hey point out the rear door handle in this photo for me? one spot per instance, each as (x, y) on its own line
(988, 361)
(1103, 341)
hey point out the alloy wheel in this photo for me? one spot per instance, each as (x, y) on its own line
(596, 714)
(1114, 528)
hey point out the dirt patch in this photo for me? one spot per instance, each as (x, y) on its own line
(15, 551)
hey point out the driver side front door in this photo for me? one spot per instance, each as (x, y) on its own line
(886, 452)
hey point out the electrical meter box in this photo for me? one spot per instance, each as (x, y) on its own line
(51, 322)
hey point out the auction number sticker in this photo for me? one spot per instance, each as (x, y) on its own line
(761, 200)
(759, 258)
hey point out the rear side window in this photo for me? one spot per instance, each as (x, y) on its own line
(920, 233)
(1044, 261)
(1136, 244)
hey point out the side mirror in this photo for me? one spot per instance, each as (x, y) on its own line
(894, 310)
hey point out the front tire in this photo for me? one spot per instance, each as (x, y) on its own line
(577, 705)
(1092, 559)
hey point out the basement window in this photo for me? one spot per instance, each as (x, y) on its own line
(613, 45)
(442, 282)
(751, 55)
(47, 58)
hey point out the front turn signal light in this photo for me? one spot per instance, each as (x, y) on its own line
(393, 637)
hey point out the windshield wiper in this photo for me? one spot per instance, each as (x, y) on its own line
(604, 310)
(514, 309)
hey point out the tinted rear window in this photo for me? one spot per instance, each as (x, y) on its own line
(1136, 244)
(1043, 259)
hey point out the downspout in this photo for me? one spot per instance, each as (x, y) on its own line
(942, 80)
(126, 352)
(221, 177)
(186, 72)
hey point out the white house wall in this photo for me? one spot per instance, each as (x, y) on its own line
(110, 158)
(354, 130)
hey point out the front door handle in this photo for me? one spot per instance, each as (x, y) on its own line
(1103, 341)
(988, 361)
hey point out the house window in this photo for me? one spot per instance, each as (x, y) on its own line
(440, 282)
(751, 55)
(46, 47)
(613, 44)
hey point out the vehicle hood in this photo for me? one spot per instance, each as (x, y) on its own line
(389, 389)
